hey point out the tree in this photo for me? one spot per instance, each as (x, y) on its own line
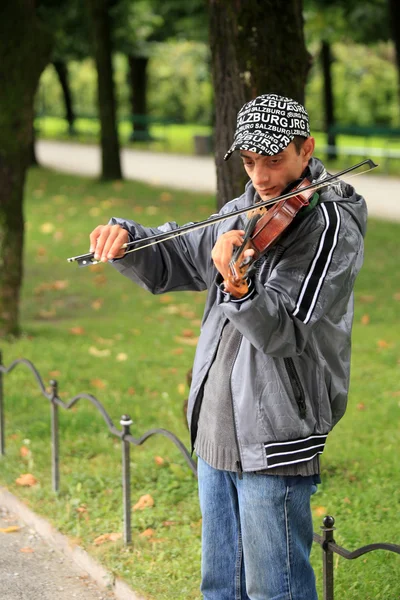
(394, 14)
(257, 47)
(25, 48)
(101, 38)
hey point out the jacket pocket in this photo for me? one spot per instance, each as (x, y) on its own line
(297, 387)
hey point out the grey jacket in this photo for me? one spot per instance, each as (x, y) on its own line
(290, 379)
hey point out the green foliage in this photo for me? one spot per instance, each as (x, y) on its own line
(179, 87)
(365, 88)
(360, 467)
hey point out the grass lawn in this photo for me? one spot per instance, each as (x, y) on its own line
(95, 332)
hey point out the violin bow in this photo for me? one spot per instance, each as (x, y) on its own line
(86, 260)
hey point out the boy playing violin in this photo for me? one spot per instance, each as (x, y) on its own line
(271, 372)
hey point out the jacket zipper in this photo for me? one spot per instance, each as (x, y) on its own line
(238, 462)
(296, 386)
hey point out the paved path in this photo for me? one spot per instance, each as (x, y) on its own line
(195, 173)
(32, 570)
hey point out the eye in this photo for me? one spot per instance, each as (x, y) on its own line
(275, 161)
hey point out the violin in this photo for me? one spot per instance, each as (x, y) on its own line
(263, 229)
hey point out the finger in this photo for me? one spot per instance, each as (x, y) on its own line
(116, 250)
(100, 242)
(248, 252)
(93, 237)
(222, 252)
(110, 241)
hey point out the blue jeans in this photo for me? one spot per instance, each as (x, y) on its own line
(256, 536)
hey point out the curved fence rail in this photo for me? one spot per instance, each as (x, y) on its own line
(326, 540)
(124, 434)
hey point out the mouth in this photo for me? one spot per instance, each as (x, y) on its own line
(269, 192)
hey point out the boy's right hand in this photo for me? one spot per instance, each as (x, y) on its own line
(106, 242)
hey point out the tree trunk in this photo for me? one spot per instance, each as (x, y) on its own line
(101, 37)
(62, 72)
(394, 18)
(326, 61)
(257, 47)
(138, 85)
(25, 48)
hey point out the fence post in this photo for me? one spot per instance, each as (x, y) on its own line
(327, 557)
(2, 433)
(55, 471)
(126, 421)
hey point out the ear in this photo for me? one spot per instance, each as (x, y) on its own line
(307, 149)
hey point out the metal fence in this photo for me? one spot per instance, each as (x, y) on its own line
(326, 540)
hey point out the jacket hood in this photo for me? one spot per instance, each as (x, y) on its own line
(340, 192)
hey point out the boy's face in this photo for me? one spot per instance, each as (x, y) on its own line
(271, 174)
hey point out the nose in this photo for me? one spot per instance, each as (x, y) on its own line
(261, 176)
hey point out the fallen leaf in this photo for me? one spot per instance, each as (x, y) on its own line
(27, 550)
(58, 236)
(188, 341)
(166, 299)
(61, 284)
(165, 197)
(181, 388)
(41, 251)
(172, 309)
(365, 319)
(107, 537)
(169, 523)
(151, 210)
(361, 406)
(121, 357)
(100, 280)
(383, 344)
(26, 480)
(24, 451)
(145, 501)
(47, 228)
(188, 333)
(55, 373)
(177, 351)
(147, 533)
(77, 330)
(347, 500)
(97, 304)
(47, 314)
(99, 353)
(131, 391)
(320, 511)
(98, 383)
(11, 529)
(159, 460)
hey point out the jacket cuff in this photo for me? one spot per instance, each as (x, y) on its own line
(227, 297)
